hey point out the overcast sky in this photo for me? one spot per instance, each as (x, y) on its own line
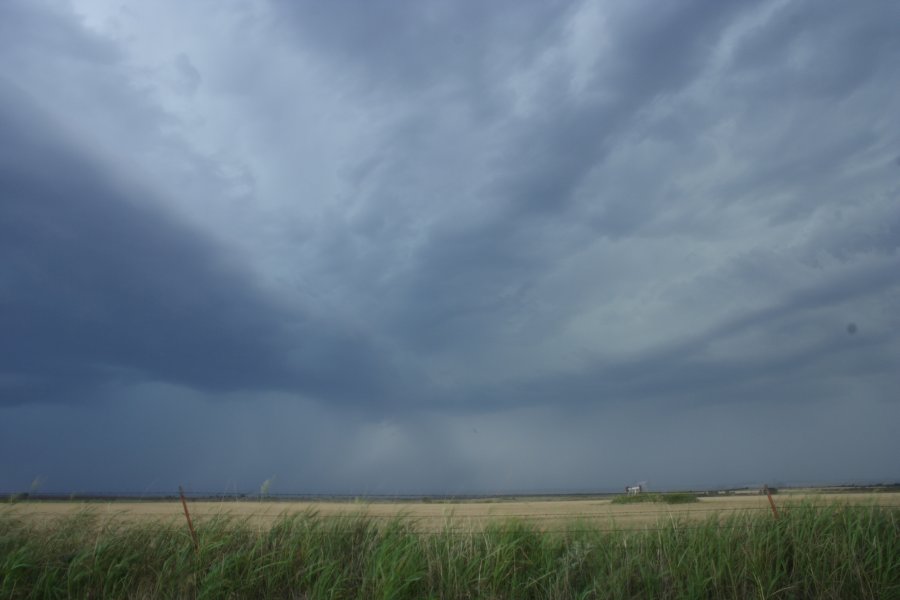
(448, 247)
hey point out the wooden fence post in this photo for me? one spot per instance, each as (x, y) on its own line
(771, 502)
(187, 515)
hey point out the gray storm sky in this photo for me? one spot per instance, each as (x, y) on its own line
(448, 247)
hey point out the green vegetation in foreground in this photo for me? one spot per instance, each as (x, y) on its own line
(674, 498)
(831, 552)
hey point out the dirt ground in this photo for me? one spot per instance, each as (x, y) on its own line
(548, 514)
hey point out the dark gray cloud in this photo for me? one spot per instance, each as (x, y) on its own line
(370, 230)
(99, 287)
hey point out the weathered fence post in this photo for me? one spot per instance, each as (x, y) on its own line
(771, 502)
(187, 515)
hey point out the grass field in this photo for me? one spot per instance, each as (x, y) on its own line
(433, 516)
(721, 547)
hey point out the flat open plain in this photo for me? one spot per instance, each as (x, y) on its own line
(549, 514)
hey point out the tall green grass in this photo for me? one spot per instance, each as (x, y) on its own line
(811, 552)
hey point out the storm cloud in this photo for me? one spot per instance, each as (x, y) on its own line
(458, 247)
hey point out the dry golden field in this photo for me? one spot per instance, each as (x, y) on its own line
(467, 515)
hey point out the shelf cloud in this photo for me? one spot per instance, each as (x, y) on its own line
(448, 247)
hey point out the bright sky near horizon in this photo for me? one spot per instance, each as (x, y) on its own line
(451, 247)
